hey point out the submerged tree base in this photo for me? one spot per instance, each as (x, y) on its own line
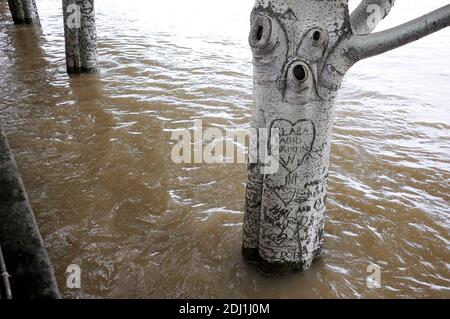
(79, 70)
(252, 256)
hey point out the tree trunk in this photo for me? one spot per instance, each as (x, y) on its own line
(72, 22)
(24, 11)
(301, 51)
(80, 36)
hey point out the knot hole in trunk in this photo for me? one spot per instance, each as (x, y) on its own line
(261, 33)
(300, 73)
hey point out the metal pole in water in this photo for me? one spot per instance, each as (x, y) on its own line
(4, 274)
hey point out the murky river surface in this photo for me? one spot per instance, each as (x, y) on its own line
(94, 153)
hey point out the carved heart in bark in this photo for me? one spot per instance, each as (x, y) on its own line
(285, 194)
(296, 141)
(278, 239)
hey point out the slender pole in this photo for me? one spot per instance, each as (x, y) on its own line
(4, 274)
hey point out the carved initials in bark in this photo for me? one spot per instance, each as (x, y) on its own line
(301, 51)
(296, 142)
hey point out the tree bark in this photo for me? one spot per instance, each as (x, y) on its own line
(301, 51)
(368, 14)
(88, 38)
(80, 36)
(24, 11)
(72, 22)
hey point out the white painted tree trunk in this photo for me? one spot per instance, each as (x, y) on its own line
(24, 11)
(301, 51)
(80, 36)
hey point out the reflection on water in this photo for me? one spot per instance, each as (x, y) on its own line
(94, 152)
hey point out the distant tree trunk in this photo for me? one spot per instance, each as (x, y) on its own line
(24, 11)
(301, 51)
(80, 36)
(72, 22)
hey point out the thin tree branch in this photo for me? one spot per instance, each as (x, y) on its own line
(361, 47)
(368, 14)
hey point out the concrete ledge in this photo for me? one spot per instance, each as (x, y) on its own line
(26, 259)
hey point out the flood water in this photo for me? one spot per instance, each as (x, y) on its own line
(94, 152)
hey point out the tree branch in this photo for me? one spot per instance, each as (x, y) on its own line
(368, 14)
(362, 47)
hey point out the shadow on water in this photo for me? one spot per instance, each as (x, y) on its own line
(116, 170)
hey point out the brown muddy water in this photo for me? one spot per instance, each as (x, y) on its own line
(94, 152)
